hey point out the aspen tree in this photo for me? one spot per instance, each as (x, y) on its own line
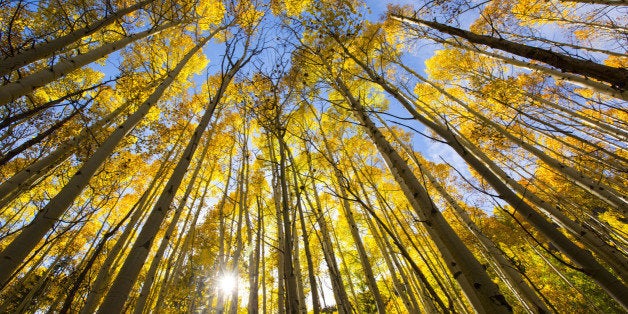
(151, 274)
(616, 77)
(481, 291)
(20, 247)
(21, 87)
(583, 258)
(48, 48)
(362, 254)
(117, 295)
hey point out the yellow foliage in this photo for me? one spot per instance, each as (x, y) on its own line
(617, 62)
(295, 7)
(448, 64)
(211, 12)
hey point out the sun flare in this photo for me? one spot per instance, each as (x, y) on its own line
(227, 283)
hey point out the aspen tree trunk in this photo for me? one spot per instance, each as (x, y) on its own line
(483, 294)
(45, 277)
(427, 306)
(254, 263)
(48, 48)
(12, 256)
(340, 294)
(424, 249)
(188, 242)
(292, 299)
(138, 209)
(297, 266)
(277, 199)
(531, 302)
(408, 300)
(411, 306)
(118, 294)
(316, 305)
(618, 78)
(602, 191)
(362, 254)
(427, 301)
(23, 86)
(581, 81)
(343, 260)
(167, 273)
(423, 283)
(264, 294)
(152, 271)
(221, 258)
(355, 234)
(383, 244)
(612, 256)
(582, 258)
(24, 179)
(67, 304)
(242, 209)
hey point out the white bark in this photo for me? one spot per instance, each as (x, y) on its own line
(483, 294)
(11, 257)
(116, 297)
(23, 86)
(22, 180)
(47, 49)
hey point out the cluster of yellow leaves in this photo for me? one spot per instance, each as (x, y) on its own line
(72, 81)
(440, 67)
(211, 12)
(532, 12)
(248, 15)
(617, 61)
(296, 7)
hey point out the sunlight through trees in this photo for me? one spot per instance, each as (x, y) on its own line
(320, 156)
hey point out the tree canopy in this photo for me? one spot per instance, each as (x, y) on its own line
(321, 156)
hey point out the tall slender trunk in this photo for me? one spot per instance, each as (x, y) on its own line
(316, 305)
(254, 263)
(292, 299)
(152, 271)
(582, 258)
(340, 294)
(21, 87)
(616, 77)
(18, 249)
(483, 294)
(281, 251)
(243, 210)
(531, 302)
(48, 48)
(353, 228)
(102, 279)
(612, 256)
(117, 295)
